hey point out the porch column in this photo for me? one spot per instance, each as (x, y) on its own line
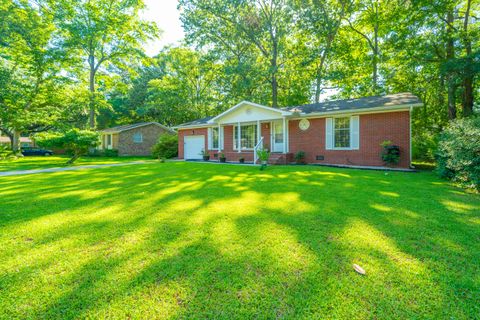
(219, 137)
(239, 144)
(284, 135)
(259, 129)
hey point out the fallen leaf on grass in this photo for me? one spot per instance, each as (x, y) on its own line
(359, 269)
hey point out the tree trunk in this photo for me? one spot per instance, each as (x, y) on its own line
(452, 109)
(318, 84)
(375, 63)
(468, 96)
(15, 139)
(73, 158)
(274, 76)
(468, 82)
(91, 60)
(375, 52)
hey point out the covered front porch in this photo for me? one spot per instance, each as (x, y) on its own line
(246, 128)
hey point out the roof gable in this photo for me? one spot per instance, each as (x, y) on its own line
(127, 127)
(249, 111)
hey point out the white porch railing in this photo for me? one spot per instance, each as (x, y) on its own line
(259, 146)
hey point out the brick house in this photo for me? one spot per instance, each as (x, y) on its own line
(342, 132)
(133, 139)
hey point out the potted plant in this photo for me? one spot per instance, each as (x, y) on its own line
(241, 160)
(390, 153)
(205, 155)
(263, 155)
(300, 157)
(223, 158)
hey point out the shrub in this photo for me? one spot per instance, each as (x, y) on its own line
(166, 147)
(103, 153)
(78, 142)
(263, 155)
(458, 154)
(110, 153)
(424, 146)
(300, 156)
(390, 153)
(6, 153)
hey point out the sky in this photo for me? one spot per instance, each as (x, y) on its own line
(167, 17)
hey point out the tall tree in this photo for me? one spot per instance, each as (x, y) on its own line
(30, 65)
(103, 32)
(186, 91)
(263, 23)
(320, 21)
(470, 68)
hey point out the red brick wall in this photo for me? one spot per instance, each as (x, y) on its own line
(190, 132)
(374, 129)
(126, 147)
(230, 154)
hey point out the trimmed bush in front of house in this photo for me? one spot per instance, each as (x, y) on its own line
(390, 153)
(111, 153)
(166, 147)
(458, 154)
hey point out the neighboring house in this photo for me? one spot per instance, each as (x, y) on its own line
(347, 132)
(24, 141)
(133, 139)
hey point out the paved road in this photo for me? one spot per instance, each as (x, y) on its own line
(92, 166)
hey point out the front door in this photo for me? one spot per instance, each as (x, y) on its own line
(109, 141)
(277, 136)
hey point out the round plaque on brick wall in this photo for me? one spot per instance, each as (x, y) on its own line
(304, 124)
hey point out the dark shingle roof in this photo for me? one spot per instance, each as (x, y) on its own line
(128, 127)
(390, 100)
(360, 103)
(196, 122)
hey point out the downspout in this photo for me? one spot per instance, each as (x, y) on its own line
(410, 119)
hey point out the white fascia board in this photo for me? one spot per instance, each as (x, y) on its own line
(193, 126)
(283, 113)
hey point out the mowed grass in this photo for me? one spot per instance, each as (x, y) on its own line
(191, 240)
(40, 162)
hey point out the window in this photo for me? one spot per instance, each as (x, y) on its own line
(342, 133)
(214, 138)
(138, 137)
(248, 136)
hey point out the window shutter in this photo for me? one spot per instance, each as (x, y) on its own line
(210, 138)
(355, 132)
(329, 133)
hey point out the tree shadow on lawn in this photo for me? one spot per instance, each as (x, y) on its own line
(188, 240)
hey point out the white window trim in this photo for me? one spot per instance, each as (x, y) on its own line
(350, 131)
(141, 137)
(210, 138)
(244, 124)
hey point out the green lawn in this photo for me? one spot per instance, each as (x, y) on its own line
(29, 163)
(191, 240)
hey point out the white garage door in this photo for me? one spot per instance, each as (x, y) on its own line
(194, 146)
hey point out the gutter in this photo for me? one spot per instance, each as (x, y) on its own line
(358, 111)
(293, 116)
